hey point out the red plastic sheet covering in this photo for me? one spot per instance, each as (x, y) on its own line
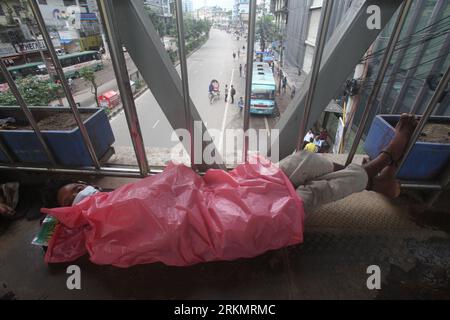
(180, 218)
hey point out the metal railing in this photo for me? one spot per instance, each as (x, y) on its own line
(320, 46)
(395, 36)
(107, 15)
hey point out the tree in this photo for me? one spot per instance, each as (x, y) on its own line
(35, 92)
(267, 31)
(88, 75)
(157, 21)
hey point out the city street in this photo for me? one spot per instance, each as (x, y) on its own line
(214, 60)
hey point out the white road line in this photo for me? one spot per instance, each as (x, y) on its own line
(267, 126)
(222, 132)
(156, 123)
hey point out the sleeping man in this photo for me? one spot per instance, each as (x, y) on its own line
(180, 218)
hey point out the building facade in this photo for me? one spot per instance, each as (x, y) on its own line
(19, 40)
(76, 22)
(302, 21)
(280, 10)
(188, 6)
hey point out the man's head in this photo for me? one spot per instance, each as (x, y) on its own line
(67, 193)
(311, 140)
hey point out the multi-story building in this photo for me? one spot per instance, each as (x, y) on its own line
(76, 22)
(280, 10)
(302, 20)
(188, 6)
(18, 41)
(215, 15)
(164, 8)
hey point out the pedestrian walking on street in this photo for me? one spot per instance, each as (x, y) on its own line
(71, 85)
(239, 53)
(232, 93)
(240, 70)
(234, 55)
(293, 89)
(226, 93)
(284, 84)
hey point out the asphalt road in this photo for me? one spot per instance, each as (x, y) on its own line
(214, 60)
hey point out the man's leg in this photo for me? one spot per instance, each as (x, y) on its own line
(333, 187)
(377, 175)
(304, 166)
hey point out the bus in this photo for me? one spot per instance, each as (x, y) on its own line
(71, 63)
(22, 71)
(263, 90)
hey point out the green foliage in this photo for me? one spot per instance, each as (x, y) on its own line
(167, 27)
(267, 31)
(35, 92)
(88, 75)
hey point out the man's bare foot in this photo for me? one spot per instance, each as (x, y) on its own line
(386, 184)
(403, 132)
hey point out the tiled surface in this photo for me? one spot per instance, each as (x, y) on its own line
(341, 241)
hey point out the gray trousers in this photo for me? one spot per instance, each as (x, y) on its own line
(313, 177)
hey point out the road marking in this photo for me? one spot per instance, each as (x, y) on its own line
(267, 126)
(222, 132)
(156, 123)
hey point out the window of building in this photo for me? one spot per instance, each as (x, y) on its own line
(68, 3)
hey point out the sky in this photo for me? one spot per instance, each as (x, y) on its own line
(228, 4)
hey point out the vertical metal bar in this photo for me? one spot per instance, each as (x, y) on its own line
(404, 9)
(424, 119)
(185, 78)
(320, 45)
(444, 185)
(5, 151)
(437, 66)
(421, 50)
(417, 12)
(106, 10)
(59, 70)
(26, 111)
(249, 74)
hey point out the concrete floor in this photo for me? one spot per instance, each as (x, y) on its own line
(341, 241)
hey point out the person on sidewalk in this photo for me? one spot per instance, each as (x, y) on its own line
(293, 91)
(311, 146)
(234, 55)
(226, 93)
(241, 104)
(240, 70)
(284, 81)
(232, 93)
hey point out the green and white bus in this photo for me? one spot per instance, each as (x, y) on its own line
(72, 63)
(23, 70)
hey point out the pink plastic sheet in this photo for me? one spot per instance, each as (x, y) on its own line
(180, 218)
